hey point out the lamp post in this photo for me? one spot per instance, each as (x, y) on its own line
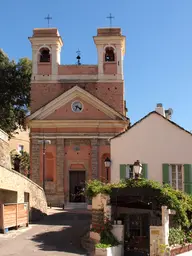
(107, 166)
(44, 143)
(137, 169)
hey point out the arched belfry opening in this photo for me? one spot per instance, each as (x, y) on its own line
(109, 54)
(45, 55)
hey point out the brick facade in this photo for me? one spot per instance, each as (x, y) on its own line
(79, 147)
(110, 93)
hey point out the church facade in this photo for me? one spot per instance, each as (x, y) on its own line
(76, 109)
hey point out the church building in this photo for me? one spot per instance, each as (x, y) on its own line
(75, 110)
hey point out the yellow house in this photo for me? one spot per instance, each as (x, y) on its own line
(20, 141)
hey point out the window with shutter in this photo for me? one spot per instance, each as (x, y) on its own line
(188, 178)
(129, 171)
(173, 175)
(122, 171)
(144, 173)
(126, 171)
(176, 177)
(166, 179)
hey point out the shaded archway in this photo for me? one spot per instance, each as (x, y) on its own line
(45, 55)
(109, 54)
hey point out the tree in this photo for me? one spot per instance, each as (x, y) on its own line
(24, 161)
(15, 81)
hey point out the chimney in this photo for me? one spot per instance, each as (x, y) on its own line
(168, 113)
(159, 109)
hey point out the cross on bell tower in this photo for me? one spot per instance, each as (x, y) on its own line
(110, 17)
(48, 18)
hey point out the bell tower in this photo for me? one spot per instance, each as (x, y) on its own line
(46, 46)
(110, 45)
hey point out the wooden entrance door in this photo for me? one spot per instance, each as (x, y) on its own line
(77, 186)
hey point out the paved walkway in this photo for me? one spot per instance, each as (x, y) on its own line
(58, 234)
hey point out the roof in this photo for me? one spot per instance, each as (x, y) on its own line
(150, 113)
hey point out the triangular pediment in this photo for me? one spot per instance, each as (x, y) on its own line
(50, 111)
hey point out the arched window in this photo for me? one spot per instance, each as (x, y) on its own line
(44, 55)
(109, 54)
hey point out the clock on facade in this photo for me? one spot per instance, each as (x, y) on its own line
(77, 106)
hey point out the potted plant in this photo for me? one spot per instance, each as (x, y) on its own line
(108, 244)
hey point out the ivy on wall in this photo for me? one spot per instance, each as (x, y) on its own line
(173, 199)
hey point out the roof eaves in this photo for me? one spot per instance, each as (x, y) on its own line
(153, 112)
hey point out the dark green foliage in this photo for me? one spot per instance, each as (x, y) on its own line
(108, 238)
(173, 199)
(14, 92)
(176, 236)
(179, 236)
(24, 161)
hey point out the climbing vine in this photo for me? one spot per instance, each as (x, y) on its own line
(173, 199)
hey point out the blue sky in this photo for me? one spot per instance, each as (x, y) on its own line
(158, 60)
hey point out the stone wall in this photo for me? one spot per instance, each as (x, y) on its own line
(5, 159)
(94, 158)
(11, 180)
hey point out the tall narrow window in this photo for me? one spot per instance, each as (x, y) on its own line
(175, 176)
(44, 55)
(20, 148)
(109, 54)
(129, 172)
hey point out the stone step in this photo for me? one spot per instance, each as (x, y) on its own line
(76, 206)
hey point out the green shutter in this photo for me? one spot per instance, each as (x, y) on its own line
(188, 178)
(166, 174)
(122, 171)
(144, 173)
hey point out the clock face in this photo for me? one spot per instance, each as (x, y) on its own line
(77, 106)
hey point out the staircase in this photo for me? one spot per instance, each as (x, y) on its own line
(69, 206)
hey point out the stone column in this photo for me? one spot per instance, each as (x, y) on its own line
(35, 160)
(94, 158)
(60, 166)
(165, 224)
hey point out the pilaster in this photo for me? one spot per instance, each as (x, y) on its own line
(54, 60)
(94, 158)
(34, 61)
(60, 165)
(35, 159)
(119, 62)
(100, 59)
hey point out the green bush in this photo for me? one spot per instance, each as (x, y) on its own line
(176, 236)
(173, 199)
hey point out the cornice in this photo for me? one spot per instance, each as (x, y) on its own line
(77, 123)
(72, 135)
(72, 81)
(49, 40)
